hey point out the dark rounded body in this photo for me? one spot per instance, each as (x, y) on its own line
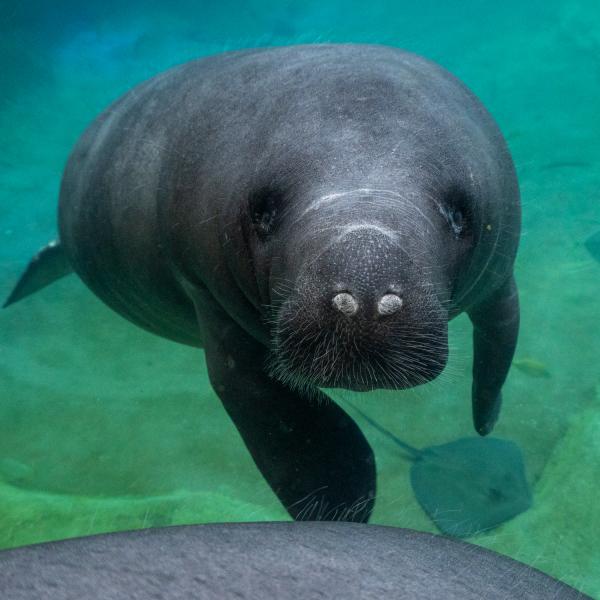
(271, 560)
(153, 191)
(312, 216)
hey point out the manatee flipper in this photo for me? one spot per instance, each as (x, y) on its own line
(312, 454)
(495, 330)
(48, 265)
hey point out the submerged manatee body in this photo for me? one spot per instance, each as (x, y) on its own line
(312, 216)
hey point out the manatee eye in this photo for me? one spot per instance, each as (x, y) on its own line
(456, 221)
(263, 221)
(264, 208)
(457, 212)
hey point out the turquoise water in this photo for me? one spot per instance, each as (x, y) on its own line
(105, 427)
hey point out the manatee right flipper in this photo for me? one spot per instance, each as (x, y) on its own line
(48, 265)
(495, 331)
(311, 453)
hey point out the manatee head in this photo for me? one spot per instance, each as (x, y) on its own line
(360, 286)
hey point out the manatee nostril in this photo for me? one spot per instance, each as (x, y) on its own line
(389, 304)
(346, 303)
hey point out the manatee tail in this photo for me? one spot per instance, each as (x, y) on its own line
(48, 265)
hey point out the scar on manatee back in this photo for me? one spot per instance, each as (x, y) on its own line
(466, 486)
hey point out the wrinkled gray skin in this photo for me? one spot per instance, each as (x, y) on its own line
(287, 561)
(312, 216)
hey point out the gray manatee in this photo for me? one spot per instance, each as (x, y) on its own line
(312, 216)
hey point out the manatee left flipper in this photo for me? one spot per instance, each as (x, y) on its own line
(309, 450)
(48, 265)
(495, 330)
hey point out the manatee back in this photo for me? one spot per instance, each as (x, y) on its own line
(271, 560)
(148, 184)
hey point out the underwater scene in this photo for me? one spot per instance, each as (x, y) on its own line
(105, 426)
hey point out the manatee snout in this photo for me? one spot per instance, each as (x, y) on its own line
(361, 316)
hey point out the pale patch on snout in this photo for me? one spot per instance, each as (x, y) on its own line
(328, 198)
(345, 230)
(389, 304)
(345, 303)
